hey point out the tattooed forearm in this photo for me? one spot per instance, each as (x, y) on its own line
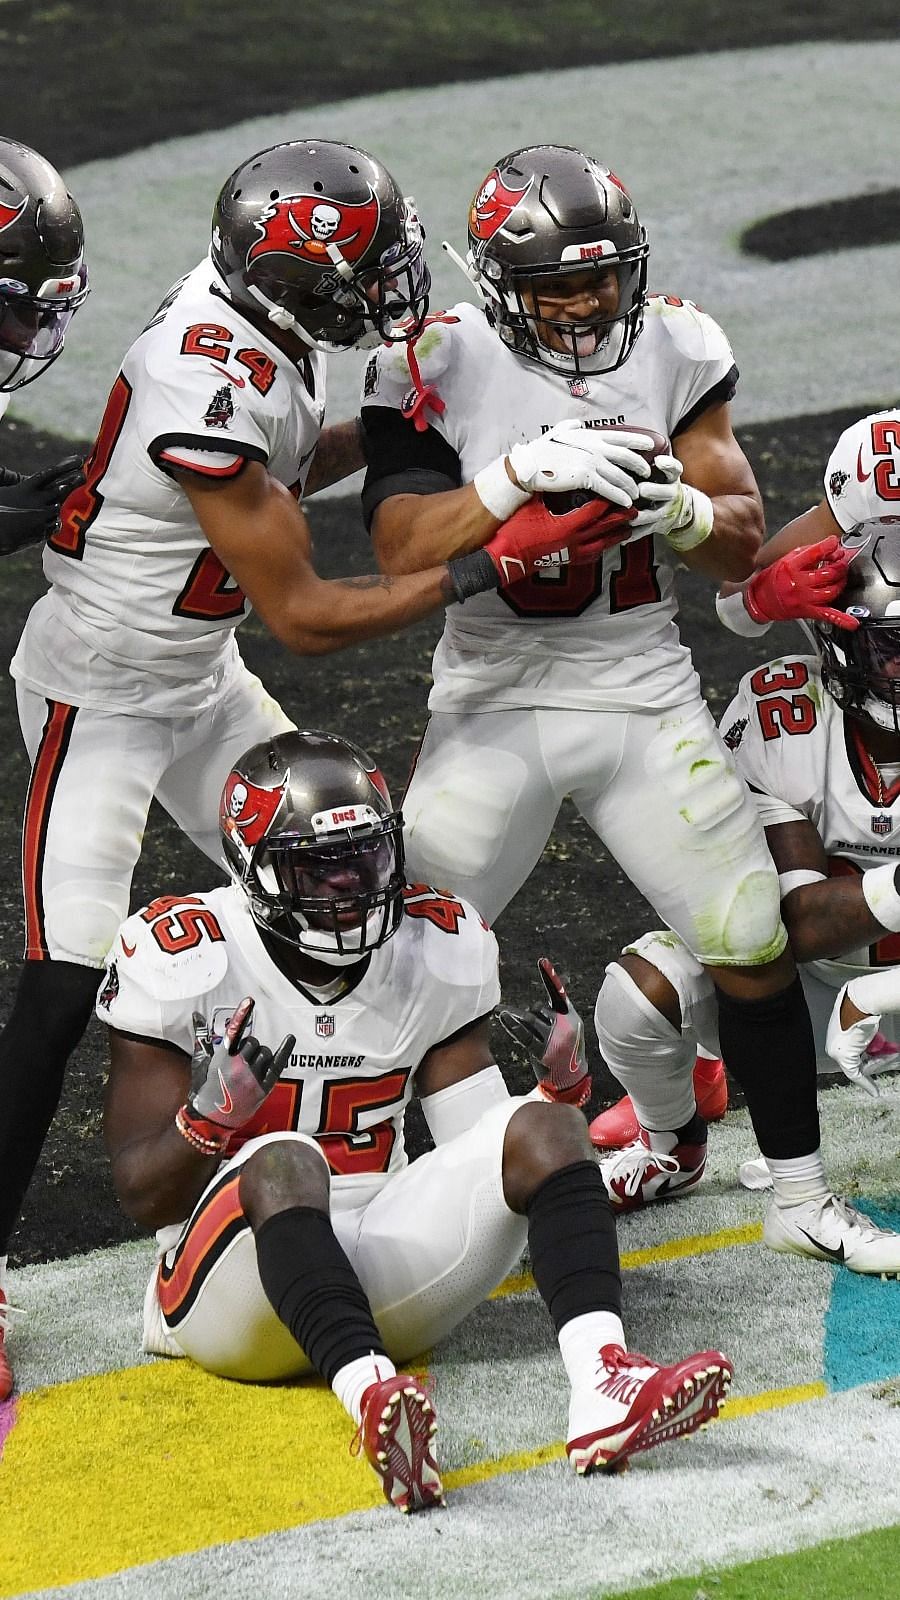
(339, 452)
(369, 580)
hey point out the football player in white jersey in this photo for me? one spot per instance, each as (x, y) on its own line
(818, 740)
(43, 281)
(574, 682)
(128, 677)
(310, 1242)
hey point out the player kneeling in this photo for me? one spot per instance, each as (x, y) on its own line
(310, 1241)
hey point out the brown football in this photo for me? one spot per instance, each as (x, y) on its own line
(559, 504)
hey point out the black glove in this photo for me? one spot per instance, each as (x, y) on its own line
(29, 507)
(553, 1034)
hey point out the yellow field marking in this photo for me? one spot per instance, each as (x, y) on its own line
(693, 1244)
(93, 1468)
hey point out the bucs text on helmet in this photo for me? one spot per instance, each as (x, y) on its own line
(861, 669)
(317, 238)
(310, 834)
(543, 215)
(43, 278)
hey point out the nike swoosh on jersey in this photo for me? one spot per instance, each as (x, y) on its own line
(833, 1255)
(861, 476)
(239, 383)
(128, 949)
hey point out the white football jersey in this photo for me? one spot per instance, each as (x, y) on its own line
(862, 478)
(804, 758)
(600, 635)
(351, 1074)
(136, 588)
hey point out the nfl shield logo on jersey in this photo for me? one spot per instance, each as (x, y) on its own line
(578, 388)
(882, 824)
(325, 1025)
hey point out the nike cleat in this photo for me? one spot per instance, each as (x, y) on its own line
(640, 1174)
(619, 1125)
(397, 1430)
(633, 1405)
(833, 1230)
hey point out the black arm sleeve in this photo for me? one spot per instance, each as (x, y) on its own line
(400, 460)
(718, 395)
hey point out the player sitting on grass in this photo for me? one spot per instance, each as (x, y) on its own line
(310, 1242)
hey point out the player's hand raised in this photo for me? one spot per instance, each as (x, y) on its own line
(801, 585)
(231, 1079)
(553, 1033)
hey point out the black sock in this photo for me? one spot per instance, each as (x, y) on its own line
(768, 1046)
(314, 1289)
(572, 1242)
(52, 1008)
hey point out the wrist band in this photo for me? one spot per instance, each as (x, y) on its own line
(789, 881)
(880, 894)
(496, 490)
(734, 611)
(876, 992)
(209, 1144)
(472, 574)
(699, 523)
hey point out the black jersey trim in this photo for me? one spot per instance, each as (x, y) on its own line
(718, 395)
(193, 441)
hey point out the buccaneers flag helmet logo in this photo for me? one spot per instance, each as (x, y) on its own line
(8, 214)
(247, 810)
(493, 204)
(304, 225)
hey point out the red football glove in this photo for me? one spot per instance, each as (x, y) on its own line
(533, 537)
(553, 1034)
(798, 586)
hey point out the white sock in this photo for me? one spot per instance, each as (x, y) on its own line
(351, 1381)
(798, 1179)
(580, 1339)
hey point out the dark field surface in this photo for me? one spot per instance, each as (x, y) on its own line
(577, 907)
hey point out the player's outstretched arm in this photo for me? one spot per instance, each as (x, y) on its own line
(828, 917)
(261, 536)
(338, 454)
(157, 1175)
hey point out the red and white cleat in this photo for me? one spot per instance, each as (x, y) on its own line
(640, 1174)
(397, 1430)
(633, 1405)
(619, 1126)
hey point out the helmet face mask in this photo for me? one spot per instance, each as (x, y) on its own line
(309, 834)
(861, 669)
(316, 239)
(43, 278)
(544, 215)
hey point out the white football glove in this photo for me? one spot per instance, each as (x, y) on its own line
(572, 456)
(681, 514)
(848, 1046)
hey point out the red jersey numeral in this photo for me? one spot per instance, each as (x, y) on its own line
(421, 901)
(567, 591)
(207, 339)
(181, 922)
(261, 368)
(210, 594)
(343, 1102)
(82, 506)
(885, 440)
(780, 713)
(279, 1113)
